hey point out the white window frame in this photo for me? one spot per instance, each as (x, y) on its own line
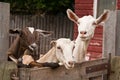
(95, 8)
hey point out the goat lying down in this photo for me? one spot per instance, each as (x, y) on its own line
(61, 52)
(86, 28)
(26, 44)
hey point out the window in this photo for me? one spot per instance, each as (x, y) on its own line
(101, 5)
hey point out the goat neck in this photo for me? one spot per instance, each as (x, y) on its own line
(49, 56)
(80, 49)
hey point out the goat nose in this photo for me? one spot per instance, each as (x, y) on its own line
(71, 62)
(83, 32)
(33, 46)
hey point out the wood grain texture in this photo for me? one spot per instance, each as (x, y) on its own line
(61, 73)
(4, 26)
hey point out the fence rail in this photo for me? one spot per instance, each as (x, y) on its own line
(60, 25)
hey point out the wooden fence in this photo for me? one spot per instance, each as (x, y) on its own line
(61, 26)
(4, 26)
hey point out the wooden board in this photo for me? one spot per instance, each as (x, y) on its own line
(79, 72)
(6, 68)
(115, 68)
(4, 26)
(117, 45)
(109, 37)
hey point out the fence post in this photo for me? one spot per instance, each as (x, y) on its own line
(4, 26)
(109, 35)
(118, 34)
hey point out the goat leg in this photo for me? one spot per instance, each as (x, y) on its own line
(21, 65)
(46, 64)
(13, 58)
(51, 65)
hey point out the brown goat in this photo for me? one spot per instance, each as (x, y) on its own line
(25, 46)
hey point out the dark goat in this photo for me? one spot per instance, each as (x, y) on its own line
(25, 44)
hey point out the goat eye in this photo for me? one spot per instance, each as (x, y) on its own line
(78, 22)
(58, 47)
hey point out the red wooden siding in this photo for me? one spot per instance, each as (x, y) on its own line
(85, 7)
(118, 4)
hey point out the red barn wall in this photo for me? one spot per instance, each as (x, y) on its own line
(118, 4)
(85, 7)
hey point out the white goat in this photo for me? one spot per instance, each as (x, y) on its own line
(86, 27)
(62, 52)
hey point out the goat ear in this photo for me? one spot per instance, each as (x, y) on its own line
(14, 31)
(72, 16)
(102, 18)
(53, 42)
(44, 33)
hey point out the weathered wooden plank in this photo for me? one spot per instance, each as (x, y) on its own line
(109, 35)
(96, 75)
(84, 6)
(78, 11)
(49, 74)
(4, 26)
(95, 49)
(61, 73)
(2, 68)
(118, 6)
(6, 68)
(84, 1)
(117, 45)
(115, 68)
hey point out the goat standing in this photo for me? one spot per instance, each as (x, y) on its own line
(86, 28)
